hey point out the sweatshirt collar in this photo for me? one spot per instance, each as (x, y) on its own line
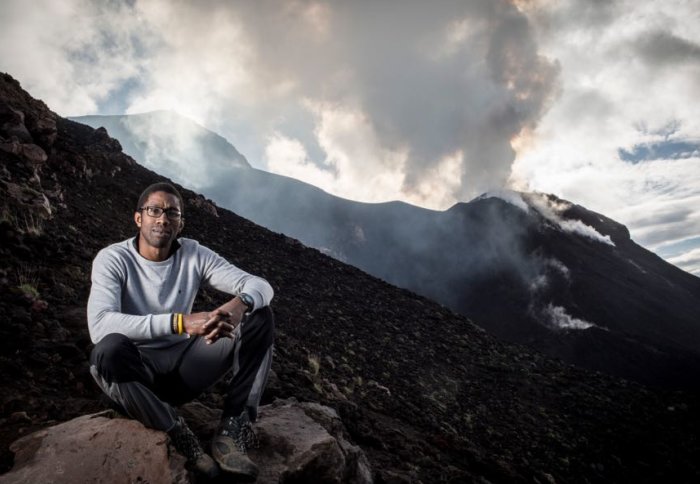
(173, 248)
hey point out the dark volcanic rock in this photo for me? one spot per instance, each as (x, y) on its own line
(295, 447)
(423, 391)
(95, 448)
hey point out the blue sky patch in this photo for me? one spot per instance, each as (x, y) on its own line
(662, 150)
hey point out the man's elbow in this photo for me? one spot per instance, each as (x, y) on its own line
(96, 325)
(269, 292)
(265, 291)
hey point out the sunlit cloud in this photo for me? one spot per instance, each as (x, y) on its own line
(629, 72)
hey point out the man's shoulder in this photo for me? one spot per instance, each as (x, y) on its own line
(118, 250)
(188, 243)
(191, 249)
(191, 245)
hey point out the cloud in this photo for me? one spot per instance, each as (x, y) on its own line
(689, 261)
(287, 156)
(168, 143)
(438, 91)
(356, 165)
(621, 137)
(664, 48)
(72, 54)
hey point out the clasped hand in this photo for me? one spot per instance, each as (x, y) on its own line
(212, 325)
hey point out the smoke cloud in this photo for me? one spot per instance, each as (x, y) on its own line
(559, 319)
(423, 100)
(550, 210)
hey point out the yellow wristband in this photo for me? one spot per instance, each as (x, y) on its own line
(179, 323)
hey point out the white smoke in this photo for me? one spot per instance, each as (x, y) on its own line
(508, 196)
(558, 266)
(551, 210)
(558, 318)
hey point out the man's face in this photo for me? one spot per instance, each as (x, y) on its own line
(159, 232)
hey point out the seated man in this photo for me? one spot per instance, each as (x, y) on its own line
(151, 352)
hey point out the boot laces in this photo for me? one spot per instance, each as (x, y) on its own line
(241, 431)
(186, 442)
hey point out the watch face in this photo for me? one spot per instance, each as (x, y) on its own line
(247, 300)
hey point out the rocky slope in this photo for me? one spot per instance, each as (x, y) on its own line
(529, 268)
(426, 393)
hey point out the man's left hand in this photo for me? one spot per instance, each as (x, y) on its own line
(222, 323)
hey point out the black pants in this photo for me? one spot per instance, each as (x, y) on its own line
(146, 380)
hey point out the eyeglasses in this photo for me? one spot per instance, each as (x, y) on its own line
(156, 212)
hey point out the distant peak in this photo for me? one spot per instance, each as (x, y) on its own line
(556, 211)
(509, 196)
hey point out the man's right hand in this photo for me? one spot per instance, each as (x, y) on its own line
(194, 324)
(213, 325)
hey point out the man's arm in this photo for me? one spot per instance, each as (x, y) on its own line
(228, 278)
(105, 305)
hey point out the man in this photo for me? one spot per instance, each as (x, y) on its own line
(151, 352)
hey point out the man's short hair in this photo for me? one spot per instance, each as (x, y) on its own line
(160, 187)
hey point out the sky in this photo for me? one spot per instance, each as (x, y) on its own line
(431, 103)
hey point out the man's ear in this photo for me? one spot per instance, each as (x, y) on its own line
(137, 219)
(182, 225)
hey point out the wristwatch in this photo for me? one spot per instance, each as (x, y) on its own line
(247, 300)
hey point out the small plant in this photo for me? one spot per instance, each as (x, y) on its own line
(314, 364)
(29, 290)
(28, 281)
(33, 225)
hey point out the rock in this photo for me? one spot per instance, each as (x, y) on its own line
(299, 442)
(12, 123)
(44, 128)
(34, 154)
(12, 146)
(296, 446)
(39, 306)
(109, 144)
(17, 417)
(95, 448)
(29, 198)
(207, 205)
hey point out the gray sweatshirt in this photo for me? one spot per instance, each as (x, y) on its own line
(137, 297)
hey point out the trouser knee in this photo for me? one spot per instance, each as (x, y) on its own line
(117, 359)
(260, 326)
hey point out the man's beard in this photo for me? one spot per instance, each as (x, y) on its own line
(155, 239)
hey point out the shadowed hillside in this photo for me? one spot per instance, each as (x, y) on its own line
(529, 268)
(427, 394)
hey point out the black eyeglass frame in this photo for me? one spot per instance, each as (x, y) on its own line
(156, 212)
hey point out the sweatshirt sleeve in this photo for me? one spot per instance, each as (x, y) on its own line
(226, 277)
(105, 304)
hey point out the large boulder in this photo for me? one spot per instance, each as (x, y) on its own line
(305, 442)
(95, 448)
(299, 442)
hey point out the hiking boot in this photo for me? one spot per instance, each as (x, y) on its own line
(230, 446)
(187, 443)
